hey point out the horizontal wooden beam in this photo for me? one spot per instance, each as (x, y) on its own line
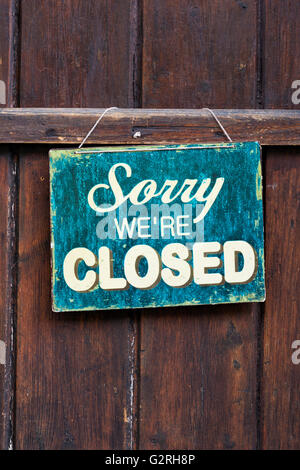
(147, 126)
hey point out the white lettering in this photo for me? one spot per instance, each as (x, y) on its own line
(106, 276)
(202, 263)
(177, 271)
(232, 274)
(145, 190)
(175, 257)
(131, 266)
(70, 269)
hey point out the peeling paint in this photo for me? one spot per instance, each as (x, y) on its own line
(259, 182)
(235, 215)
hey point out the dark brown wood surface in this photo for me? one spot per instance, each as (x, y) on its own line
(3, 274)
(281, 56)
(8, 224)
(205, 377)
(281, 378)
(191, 60)
(75, 53)
(4, 165)
(5, 326)
(74, 371)
(10, 50)
(4, 49)
(204, 394)
(280, 387)
(70, 126)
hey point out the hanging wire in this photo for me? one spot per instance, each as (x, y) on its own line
(136, 135)
(95, 125)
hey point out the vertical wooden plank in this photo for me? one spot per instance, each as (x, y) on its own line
(3, 270)
(4, 347)
(281, 53)
(8, 272)
(4, 162)
(82, 58)
(74, 371)
(8, 224)
(281, 378)
(198, 378)
(4, 47)
(199, 365)
(199, 54)
(9, 52)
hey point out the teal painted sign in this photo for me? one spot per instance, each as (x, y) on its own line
(156, 226)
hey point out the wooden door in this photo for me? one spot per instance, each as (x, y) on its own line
(182, 378)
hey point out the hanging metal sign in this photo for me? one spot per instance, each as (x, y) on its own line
(156, 226)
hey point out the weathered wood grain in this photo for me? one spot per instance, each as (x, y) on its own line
(4, 347)
(4, 48)
(281, 378)
(69, 126)
(198, 367)
(281, 56)
(3, 273)
(8, 282)
(9, 52)
(73, 372)
(198, 378)
(8, 223)
(4, 163)
(75, 53)
(199, 54)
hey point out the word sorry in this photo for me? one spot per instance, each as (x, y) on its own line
(155, 221)
(145, 190)
(178, 272)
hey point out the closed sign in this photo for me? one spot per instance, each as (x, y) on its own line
(156, 226)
